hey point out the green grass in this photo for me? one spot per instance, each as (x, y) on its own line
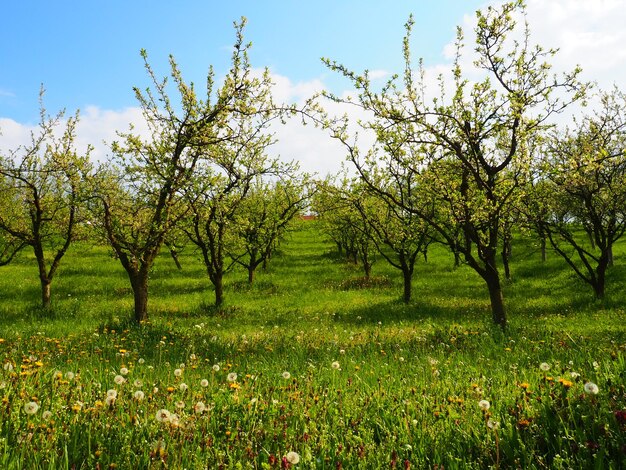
(406, 392)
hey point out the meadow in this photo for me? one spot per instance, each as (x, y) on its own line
(311, 366)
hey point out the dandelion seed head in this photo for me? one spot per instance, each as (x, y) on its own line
(31, 408)
(591, 388)
(293, 457)
(163, 416)
(204, 383)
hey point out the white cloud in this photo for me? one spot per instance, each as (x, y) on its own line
(99, 127)
(378, 74)
(589, 33)
(13, 134)
(96, 127)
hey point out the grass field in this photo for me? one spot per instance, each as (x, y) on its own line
(310, 367)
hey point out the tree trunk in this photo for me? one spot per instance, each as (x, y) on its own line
(45, 292)
(505, 263)
(497, 301)
(543, 249)
(457, 258)
(407, 275)
(339, 248)
(610, 256)
(600, 277)
(598, 289)
(367, 265)
(174, 254)
(219, 289)
(139, 284)
(367, 269)
(250, 274)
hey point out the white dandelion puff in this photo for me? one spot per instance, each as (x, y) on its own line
(292, 457)
(31, 408)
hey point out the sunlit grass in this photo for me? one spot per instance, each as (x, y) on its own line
(372, 383)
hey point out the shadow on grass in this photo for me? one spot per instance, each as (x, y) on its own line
(421, 310)
(263, 287)
(356, 283)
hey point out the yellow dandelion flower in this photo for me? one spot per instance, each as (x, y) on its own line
(566, 383)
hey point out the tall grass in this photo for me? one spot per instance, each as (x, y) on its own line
(340, 371)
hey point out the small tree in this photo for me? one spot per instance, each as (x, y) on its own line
(142, 197)
(341, 219)
(42, 189)
(399, 235)
(215, 199)
(585, 190)
(264, 218)
(10, 246)
(465, 146)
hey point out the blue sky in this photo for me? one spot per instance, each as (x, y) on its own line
(87, 53)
